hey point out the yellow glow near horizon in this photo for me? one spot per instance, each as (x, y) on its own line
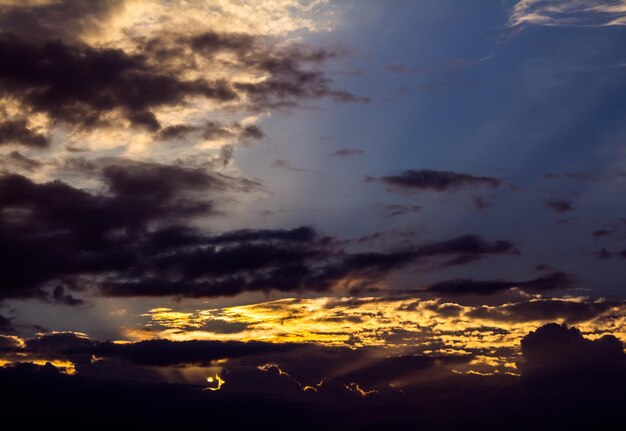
(400, 326)
(387, 326)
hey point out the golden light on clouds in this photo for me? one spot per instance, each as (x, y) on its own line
(180, 180)
(267, 17)
(127, 25)
(66, 367)
(401, 326)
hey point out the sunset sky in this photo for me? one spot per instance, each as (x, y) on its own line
(325, 214)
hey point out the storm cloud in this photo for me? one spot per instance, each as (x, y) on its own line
(53, 232)
(557, 355)
(247, 264)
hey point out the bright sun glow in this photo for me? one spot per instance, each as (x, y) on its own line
(216, 381)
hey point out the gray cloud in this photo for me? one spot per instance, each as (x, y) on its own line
(436, 181)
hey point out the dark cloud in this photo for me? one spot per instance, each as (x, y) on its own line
(438, 181)
(395, 210)
(456, 251)
(600, 233)
(253, 132)
(445, 404)
(462, 249)
(60, 296)
(81, 351)
(143, 229)
(282, 261)
(178, 131)
(300, 234)
(64, 346)
(67, 19)
(55, 235)
(158, 184)
(393, 236)
(130, 237)
(263, 394)
(210, 43)
(146, 119)
(559, 205)
(348, 152)
(291, 77)
(78, 84)
(52, 233)
(544, 310)
(196, 352)
(561, 370)
(286, 164)
(607, 254)
(5, 325)
(251, 367)
(230, 271)
(226, 155)
(466, 248)
(309, 364)
(270, 380)
(561, 355)
(556, 280)
(154, 405)
(17, 159)
(53, 70)
(9, 343)
(17, 132)
(211, 130)
(571, 175)
(293, 71)
(446, 309)
(380, 372)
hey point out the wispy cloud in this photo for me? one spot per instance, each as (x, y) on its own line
(574, 13)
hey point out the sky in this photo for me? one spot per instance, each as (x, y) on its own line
(341, 214)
